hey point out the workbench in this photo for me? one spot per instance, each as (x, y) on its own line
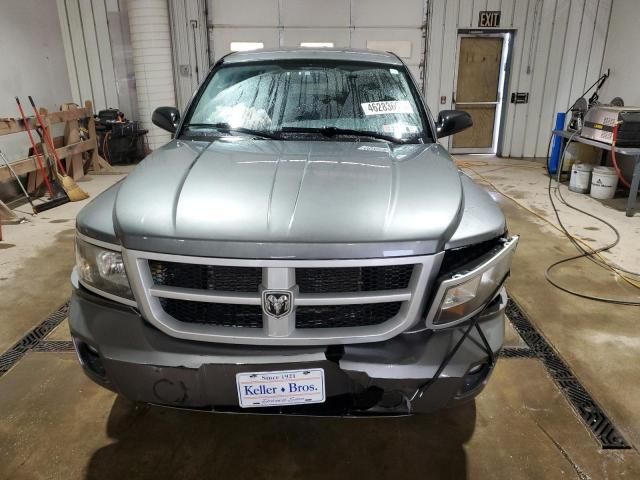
(632, 152)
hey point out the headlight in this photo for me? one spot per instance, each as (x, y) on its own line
(102, 269)
(464, 294)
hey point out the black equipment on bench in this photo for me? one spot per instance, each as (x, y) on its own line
(120, 141)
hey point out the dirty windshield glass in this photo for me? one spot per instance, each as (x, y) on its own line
(287, 98)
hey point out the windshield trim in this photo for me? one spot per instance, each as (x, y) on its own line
(428, 133)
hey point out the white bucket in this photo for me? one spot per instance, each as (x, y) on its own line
(604, 182)
(580, 177)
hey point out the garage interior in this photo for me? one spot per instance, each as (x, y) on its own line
(564, 399)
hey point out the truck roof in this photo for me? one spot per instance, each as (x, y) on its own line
(304, 53)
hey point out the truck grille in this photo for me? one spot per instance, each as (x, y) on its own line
(458, 257)
(206, 277)
(218, 314)
(341, 316)
(331, 301)
(309, 280)
(353, 279)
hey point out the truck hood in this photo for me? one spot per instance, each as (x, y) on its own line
(312, 192)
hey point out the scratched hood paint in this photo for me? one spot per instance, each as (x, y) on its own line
(289, 191)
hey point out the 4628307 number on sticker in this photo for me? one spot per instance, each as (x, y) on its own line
(382, 108)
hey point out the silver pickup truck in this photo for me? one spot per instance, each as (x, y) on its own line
(302, 245)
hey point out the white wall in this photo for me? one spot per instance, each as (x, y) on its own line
(152, 63)
(557, 53)
(33, 63)
(98, 53)
(621, 53)
(189, 42)
(558, 46)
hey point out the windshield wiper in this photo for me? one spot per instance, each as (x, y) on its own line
(333, 131)
(224, 127)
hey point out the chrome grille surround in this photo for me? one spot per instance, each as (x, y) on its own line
(280, 275)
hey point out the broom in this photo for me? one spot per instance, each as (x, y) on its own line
(74, 192)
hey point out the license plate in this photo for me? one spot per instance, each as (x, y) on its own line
(284, 387)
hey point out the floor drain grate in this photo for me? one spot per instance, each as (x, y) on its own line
(54, 346)
(584, 404)
(31, 340)
(517, 352)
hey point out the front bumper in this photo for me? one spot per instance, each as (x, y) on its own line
(119, 350)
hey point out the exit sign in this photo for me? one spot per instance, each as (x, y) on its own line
(489, 19)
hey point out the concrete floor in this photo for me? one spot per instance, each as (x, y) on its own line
(55, 423)
(525, 183)
(35, 260)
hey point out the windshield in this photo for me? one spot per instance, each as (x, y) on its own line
(286, 99)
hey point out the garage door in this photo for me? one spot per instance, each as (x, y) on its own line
(389, 25)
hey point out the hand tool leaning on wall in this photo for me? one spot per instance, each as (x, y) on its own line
(39, 207)
(57, 194)
(74, 192)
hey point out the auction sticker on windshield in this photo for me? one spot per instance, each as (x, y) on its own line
(382, 108)
(285, 387)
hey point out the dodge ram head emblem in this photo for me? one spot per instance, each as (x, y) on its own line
(276, 304)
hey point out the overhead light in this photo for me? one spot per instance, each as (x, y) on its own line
(245, 46)
(317, 44)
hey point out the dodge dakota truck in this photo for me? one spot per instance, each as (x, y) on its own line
(303, 244)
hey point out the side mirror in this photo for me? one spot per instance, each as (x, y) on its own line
(452, 121)
(167, 118)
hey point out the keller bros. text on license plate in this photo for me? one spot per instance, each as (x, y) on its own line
(285, 387)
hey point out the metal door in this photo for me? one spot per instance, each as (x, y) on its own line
(479, 86)
(373, 24)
